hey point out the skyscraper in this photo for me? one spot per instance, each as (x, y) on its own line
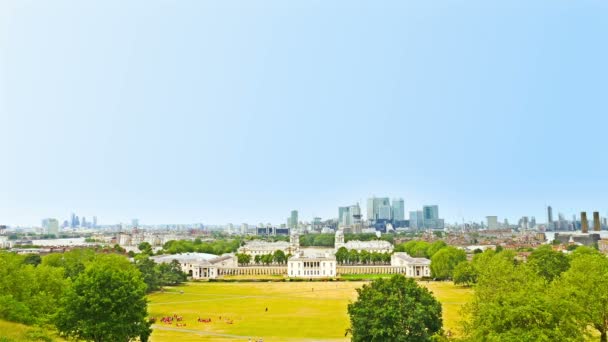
(550, 217)
(398, 209)
(293, 219)
(373, 207)
(584, 222)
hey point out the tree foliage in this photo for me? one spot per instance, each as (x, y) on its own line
(548, 263)
(106, 303)
(513, 303)
(583, 291)
(444, 262)
(394, 309)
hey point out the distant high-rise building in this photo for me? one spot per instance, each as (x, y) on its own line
(584, 222)
(77, 223)
(94, 221)
(373, 207)
(431, 217)
(84, 222)
(384, 212)
(293, 219)
(416, 219)
(533, 222)
(492, 222)
(398, 208)
(135, 223)
(550, 217)
(51, 226)
(73, 220)
(244, 228)
(597, 226)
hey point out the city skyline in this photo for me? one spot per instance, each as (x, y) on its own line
(241, 112)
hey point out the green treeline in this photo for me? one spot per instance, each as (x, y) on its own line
(33, 287)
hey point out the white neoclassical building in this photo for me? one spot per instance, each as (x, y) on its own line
(311, 266)
(414, 267)
(258, 247)
(378, 246)
(200, 265)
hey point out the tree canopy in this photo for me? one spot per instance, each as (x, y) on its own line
(445, 260)
(105, 303)
(394, 309)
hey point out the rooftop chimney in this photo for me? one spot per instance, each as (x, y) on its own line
(584, 222)
(597, 226)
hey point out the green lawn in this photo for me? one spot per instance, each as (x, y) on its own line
(296, 310)
(15, 332)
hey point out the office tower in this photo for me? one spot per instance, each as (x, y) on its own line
(416, 219)
(492, 222)
(584, 222)
(597, 226)
(293, 219)
(51, 226)
(135, 223)
(77, 223)
(94, 221)
(84, 222)
(398, 208)
(344, 215)
(550, 217)
(244, 228)
(355, 213)
(533, 222)
(373, 207)
(73, 220)
(384, 212)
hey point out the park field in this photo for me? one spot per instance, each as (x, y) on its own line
(297, 311)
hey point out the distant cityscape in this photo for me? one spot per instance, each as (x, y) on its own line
(382, 215)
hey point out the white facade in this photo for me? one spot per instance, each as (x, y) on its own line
(415, 267)
(257, 247)
(200, 265)
(378, 246)
(319, 266)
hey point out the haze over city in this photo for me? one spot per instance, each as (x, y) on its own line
(228, 112)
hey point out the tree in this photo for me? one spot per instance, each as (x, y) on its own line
(107, 302)
(465, 274)
(444, 262)
(257, 259)
(279, 257)
(149, 272)
(365, 257)
(171, 273)
(512, 303)
(342, 255)
(353, 256)
(583, 290)
(435, 247)
(145, 248)
(394, 309)
(243, 259)
(548, 263)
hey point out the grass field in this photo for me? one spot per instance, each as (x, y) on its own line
(296, 312)
(15, 332)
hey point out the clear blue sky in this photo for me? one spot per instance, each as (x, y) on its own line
(239, 111)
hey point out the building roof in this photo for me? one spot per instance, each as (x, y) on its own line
(406, 257)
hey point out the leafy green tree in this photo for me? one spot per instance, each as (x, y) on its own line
(583, 291)
(107, 302)
(465, 274)
(73, 262)
(512, 303)
(435, 247)
(342, 255)
(394, 309)
(257, 259)
(279, 257)
(353, 256)
(32, 259)
(171, 273)
(145, 248)
(365, 257)
(243, 259)
(444, 262)
(149, 271)
(376, 257)
(548, 263)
